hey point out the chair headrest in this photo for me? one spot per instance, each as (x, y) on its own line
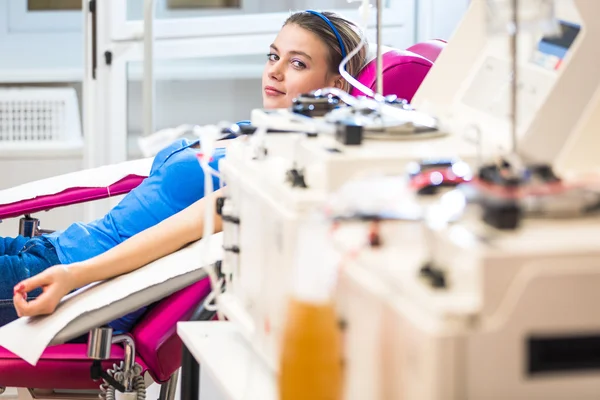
(430, 49)
(403, 72)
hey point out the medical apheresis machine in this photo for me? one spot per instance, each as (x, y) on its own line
(457, 238)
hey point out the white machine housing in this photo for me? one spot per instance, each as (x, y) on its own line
(518, 319)
(558, 108)
(270, 211)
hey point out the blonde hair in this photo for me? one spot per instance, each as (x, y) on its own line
(350, 33)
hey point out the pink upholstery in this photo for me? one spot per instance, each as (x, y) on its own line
(61, 367)
(430, 49)
(69, 197)
(156, 338)
(403, 72)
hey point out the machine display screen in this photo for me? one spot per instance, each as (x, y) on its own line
(551, 51)
(489, 88)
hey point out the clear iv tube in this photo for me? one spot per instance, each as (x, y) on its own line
(349, 78)
(363, 42)
(208, 136)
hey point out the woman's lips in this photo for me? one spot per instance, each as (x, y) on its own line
(271, 91)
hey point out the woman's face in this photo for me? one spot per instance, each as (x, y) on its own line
(297, 64)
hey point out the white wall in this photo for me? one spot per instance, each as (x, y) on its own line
(437, 19)
(185, 102)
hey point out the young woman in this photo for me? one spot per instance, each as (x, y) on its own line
(166, 211)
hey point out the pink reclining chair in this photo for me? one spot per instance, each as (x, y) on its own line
(158, 350)
(403, 70)
(430, 49)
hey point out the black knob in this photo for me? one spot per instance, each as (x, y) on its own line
(296, 178)
(349, 134)
(501, 214)
(220, 204)
(434, 276)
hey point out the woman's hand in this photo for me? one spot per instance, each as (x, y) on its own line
(55, 282)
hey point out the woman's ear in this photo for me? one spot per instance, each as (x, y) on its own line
(337, 81)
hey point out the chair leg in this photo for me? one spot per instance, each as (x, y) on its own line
(168, 389)
(190, 376)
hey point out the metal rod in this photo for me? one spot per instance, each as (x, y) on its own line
(168, 389)
(379, 89)
(514, 48)
(190, 376)
(148, 79)
(129, 362)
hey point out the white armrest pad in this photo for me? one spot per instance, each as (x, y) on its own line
(103, 302)
(89, 178)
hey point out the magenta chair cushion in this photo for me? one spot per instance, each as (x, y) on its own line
(61, 367)
(430, 49)
(403, 72)
(156, 337)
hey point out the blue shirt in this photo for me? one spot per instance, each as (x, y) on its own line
(175, 182)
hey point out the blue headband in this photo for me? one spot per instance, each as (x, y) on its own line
(333, 28)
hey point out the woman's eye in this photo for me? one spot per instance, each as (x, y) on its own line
(273, 57)
(298, 64)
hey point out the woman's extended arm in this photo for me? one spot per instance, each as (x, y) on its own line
(158, 241)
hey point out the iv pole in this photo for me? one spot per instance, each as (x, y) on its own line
(148, 92)
(514, 33)
(379, 89)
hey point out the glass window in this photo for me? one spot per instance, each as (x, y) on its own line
(51, 5)
(166, 9)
